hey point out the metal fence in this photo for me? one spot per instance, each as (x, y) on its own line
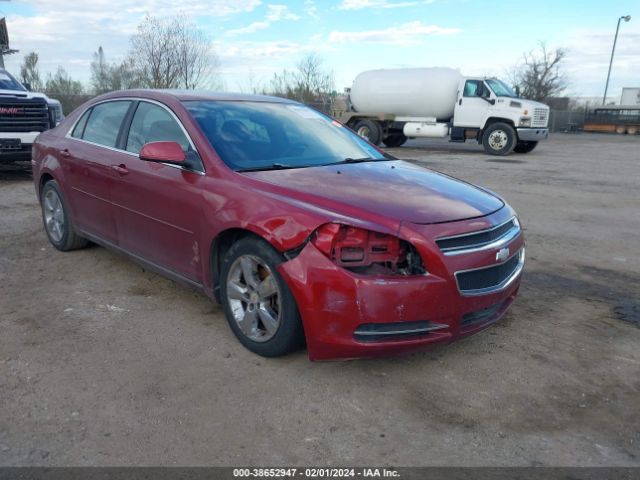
(568, 121)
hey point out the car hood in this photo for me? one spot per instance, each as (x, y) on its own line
(394, 189)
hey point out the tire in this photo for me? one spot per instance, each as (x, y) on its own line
(621, 130)
(57, 221)
(368, 129)
(524, 147)
(499, 139)
(633, 130)
(395, 140)
(257, 302)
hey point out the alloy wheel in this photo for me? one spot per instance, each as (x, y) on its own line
(53, 215)
(254, 298)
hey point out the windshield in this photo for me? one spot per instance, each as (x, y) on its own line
(500, 88)
(262, 136)
(7, 82)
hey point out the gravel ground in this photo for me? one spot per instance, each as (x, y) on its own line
(102, 363)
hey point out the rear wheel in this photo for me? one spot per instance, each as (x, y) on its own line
(257, 302)
(499, 139)
(395, 140)
(368, 129)
(524, 147)
(57, 222)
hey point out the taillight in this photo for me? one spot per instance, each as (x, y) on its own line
(367, 252)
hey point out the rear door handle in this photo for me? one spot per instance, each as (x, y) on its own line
(460, 102)
(65, 153)
(121, 169)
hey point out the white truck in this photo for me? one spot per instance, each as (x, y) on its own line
(23, 116)
(393, 105)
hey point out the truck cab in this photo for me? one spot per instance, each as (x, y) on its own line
(23, 116)
(489, 110)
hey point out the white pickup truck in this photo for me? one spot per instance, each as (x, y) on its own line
(23, 116)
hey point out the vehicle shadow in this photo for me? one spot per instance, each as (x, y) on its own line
(15, 172)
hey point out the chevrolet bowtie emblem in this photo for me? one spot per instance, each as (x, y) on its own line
(502, 254)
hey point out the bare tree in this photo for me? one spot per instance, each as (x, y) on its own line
(60, 83)
(107, 77)
(539, 75)
(29, 72)
(194, 55)
(171, 53)
(310, 82)
(124, 76)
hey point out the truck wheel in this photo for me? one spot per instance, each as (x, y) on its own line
(524, 147)
(499, 139)
(57, 222)
(368, 129)
(395, 140)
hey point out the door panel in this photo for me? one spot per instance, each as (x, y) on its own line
(158, 214)
(470, 110)
(158, 207)
(88, 167)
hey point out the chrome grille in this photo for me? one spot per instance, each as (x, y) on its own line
(24, 115)
(540, 117)
(481, 240)
(481, 281)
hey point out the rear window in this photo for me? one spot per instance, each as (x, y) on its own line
(104, 123)
(78, 130)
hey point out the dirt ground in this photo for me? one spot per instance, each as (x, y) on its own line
(102, 363)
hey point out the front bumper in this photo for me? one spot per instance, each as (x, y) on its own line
(532, 134)
(346, 315)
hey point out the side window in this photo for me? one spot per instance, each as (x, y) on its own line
(152, 123)
(471, 88)
(78, 130)
(104, 122)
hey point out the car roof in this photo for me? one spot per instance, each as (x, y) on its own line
(159, 94)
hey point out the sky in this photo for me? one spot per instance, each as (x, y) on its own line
(255, 38)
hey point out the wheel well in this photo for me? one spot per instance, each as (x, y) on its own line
(219, 247)
(491, 121)
(44, 179)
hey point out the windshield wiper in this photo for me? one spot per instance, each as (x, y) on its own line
(273, 166)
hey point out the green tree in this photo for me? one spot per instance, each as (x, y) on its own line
(60, 83)
(29, 73)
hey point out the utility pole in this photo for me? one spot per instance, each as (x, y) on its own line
(626, 18)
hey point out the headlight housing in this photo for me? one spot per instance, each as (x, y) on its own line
(367, 252)
(525, 122)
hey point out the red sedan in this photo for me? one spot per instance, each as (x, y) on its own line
(301, 229)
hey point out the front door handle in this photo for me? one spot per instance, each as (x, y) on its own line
(65, 153)
(121, 169)
(460, 102)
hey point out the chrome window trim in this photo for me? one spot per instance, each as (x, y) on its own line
(506, 283)
(138, 99)
(507, 237)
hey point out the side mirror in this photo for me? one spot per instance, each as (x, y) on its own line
(517, 89)
(27, 85)
(170, 152)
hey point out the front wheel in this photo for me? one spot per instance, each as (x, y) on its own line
(256, 300)
(499, 139)
(524, 147)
